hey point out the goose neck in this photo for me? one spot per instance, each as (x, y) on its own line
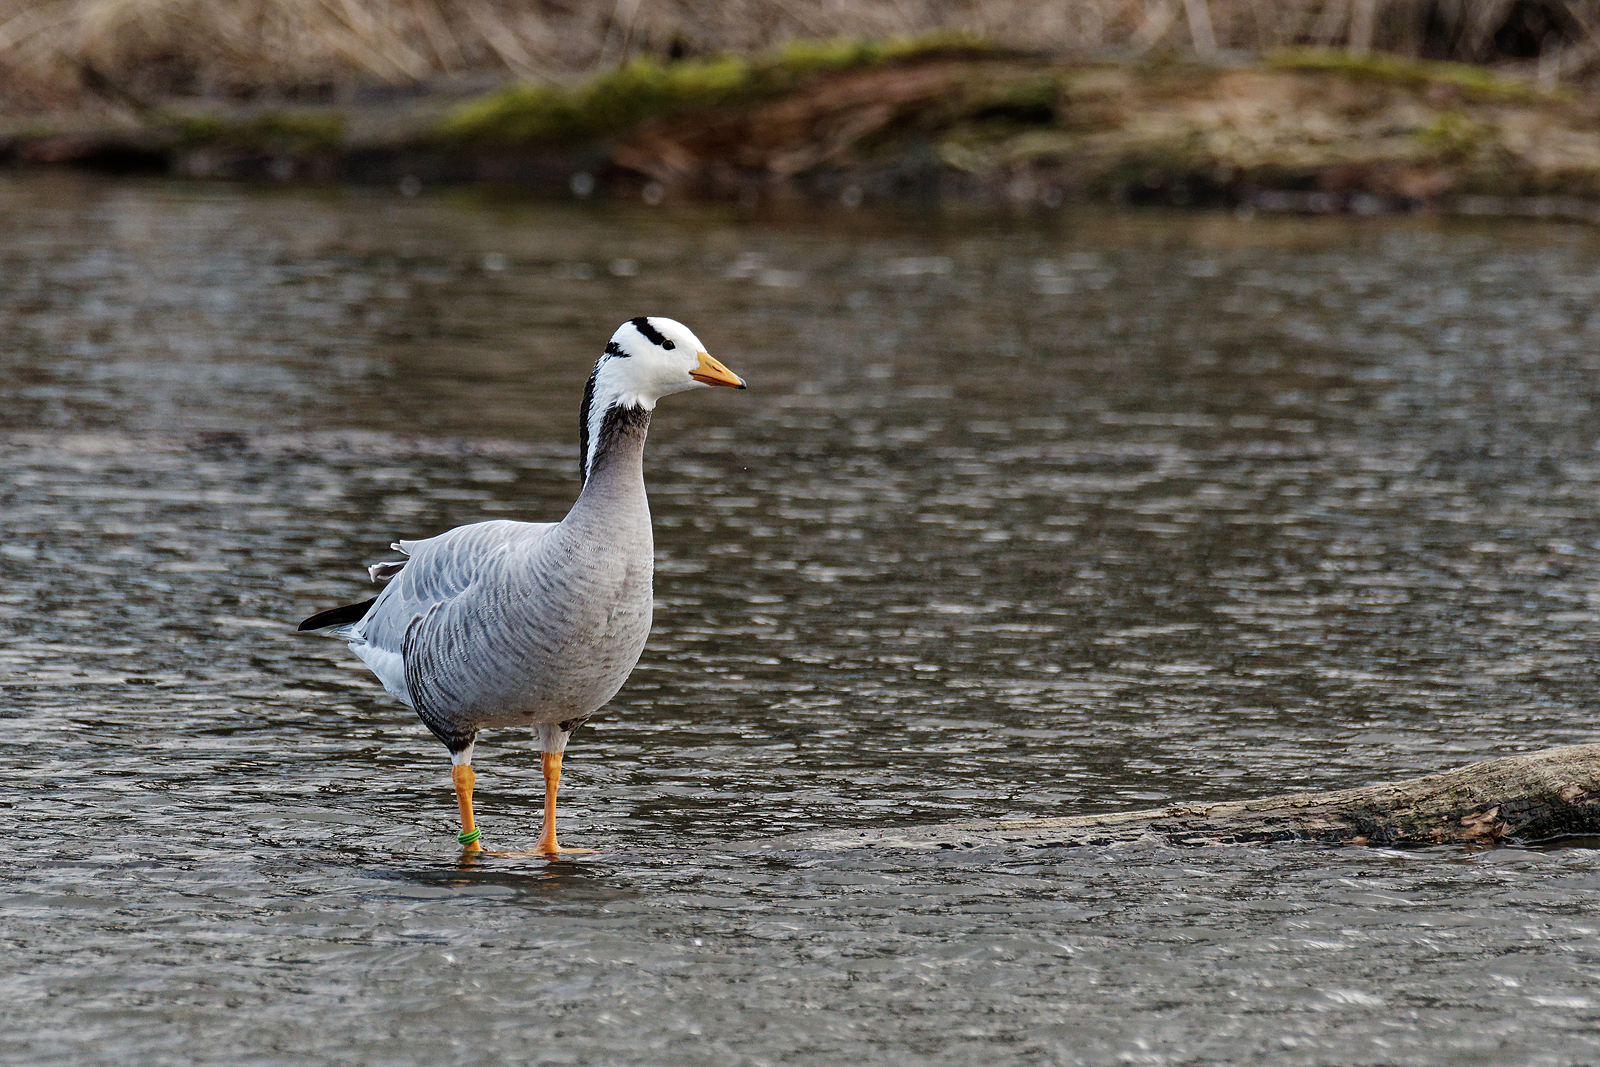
(615, 468)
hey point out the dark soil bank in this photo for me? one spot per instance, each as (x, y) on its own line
(1318, 131)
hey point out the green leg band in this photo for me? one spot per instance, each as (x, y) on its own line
(469, 838)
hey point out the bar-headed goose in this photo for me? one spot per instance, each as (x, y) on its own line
(535, 623)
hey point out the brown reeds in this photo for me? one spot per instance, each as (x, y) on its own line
(58, 53)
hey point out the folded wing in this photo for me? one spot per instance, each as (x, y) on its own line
(465, 569)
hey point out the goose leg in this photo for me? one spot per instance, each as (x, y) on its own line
(552, 782)
(462, 777)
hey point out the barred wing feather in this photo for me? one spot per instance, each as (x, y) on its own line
(458, 568)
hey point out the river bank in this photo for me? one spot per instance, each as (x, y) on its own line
(941, 118)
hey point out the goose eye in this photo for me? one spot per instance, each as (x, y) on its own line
(668, 345)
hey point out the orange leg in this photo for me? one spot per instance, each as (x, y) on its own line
(462, 776)
(552, 782)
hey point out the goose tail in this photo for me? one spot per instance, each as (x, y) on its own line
(339, 616)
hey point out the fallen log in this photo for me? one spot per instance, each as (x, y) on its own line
(1514, 800)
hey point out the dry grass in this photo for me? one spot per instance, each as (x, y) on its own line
(61, 53)
(1405, 131)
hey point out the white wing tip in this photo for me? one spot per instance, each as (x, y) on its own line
(382, 572)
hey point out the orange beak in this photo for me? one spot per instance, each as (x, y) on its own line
(713, 373)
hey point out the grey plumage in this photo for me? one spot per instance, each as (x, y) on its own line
(519, 623)
(535, 623)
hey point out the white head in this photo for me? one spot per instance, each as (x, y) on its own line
(646, 359)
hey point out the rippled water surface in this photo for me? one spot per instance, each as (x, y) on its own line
(1037, 516)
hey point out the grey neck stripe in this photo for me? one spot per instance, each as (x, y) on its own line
(586, 409)
(616, 425)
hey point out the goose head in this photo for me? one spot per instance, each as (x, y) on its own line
(646, 359)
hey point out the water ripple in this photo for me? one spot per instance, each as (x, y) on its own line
(1018, 518)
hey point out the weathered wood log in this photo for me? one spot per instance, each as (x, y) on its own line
(1518, 799)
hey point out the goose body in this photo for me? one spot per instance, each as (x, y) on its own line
(535, 623)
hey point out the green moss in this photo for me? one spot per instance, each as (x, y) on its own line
(294, 132)
(1476, 82)
(540, 114)
(1031, 99)
(197, 130)
(842, 53)
(812, 57)
(1454, 136)
(307, 130)
(622, 98)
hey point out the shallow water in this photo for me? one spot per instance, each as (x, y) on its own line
(1034, 516)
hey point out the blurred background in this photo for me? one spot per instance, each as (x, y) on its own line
(65, 51)
(1150, 402)
(1322, 105)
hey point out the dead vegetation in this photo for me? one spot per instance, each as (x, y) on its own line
(1143, 100)
(1313, 131)
(67, 54)
(1351, 134)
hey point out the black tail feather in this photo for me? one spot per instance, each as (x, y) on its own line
(339, 616)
